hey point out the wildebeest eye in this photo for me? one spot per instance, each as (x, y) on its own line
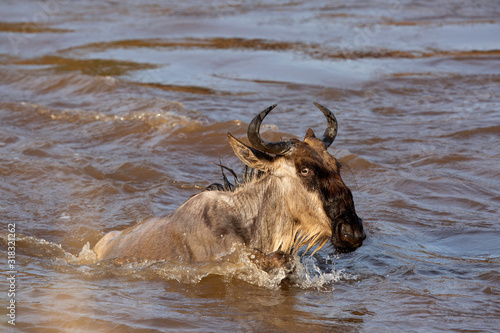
(305, 171)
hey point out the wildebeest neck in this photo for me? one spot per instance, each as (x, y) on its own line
(277, 219)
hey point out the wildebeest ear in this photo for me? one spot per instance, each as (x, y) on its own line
(310, 134)
(250, 156)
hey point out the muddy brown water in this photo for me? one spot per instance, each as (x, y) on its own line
(112, 112)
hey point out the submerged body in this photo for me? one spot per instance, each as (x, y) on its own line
(298, 199)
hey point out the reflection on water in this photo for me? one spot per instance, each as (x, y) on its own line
(111, 113)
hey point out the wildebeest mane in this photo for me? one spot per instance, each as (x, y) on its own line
(248, 175)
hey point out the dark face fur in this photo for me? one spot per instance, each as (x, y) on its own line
(319, 172)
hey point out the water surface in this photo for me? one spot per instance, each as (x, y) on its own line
(111, 113)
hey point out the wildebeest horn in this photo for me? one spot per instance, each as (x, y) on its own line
(331, 130)
(278, 147)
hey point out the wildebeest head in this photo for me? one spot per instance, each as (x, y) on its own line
(316, 195)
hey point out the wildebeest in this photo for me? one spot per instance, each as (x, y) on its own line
(294, 198)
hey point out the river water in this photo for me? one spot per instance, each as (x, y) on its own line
(112, 112)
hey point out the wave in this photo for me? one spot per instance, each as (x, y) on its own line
(153, 113)
(102, 67)
(184, 43)
(73, 83)
(314, 50)
(29, 27)
(65, 84)
(438, 22)
(199, 90)
(488, 130)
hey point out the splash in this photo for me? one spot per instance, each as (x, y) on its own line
(314, 273)
(236, 264)
(308, 273)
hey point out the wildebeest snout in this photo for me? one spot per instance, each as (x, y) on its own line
(353, 237)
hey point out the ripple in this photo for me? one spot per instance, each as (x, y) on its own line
(103, 67)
